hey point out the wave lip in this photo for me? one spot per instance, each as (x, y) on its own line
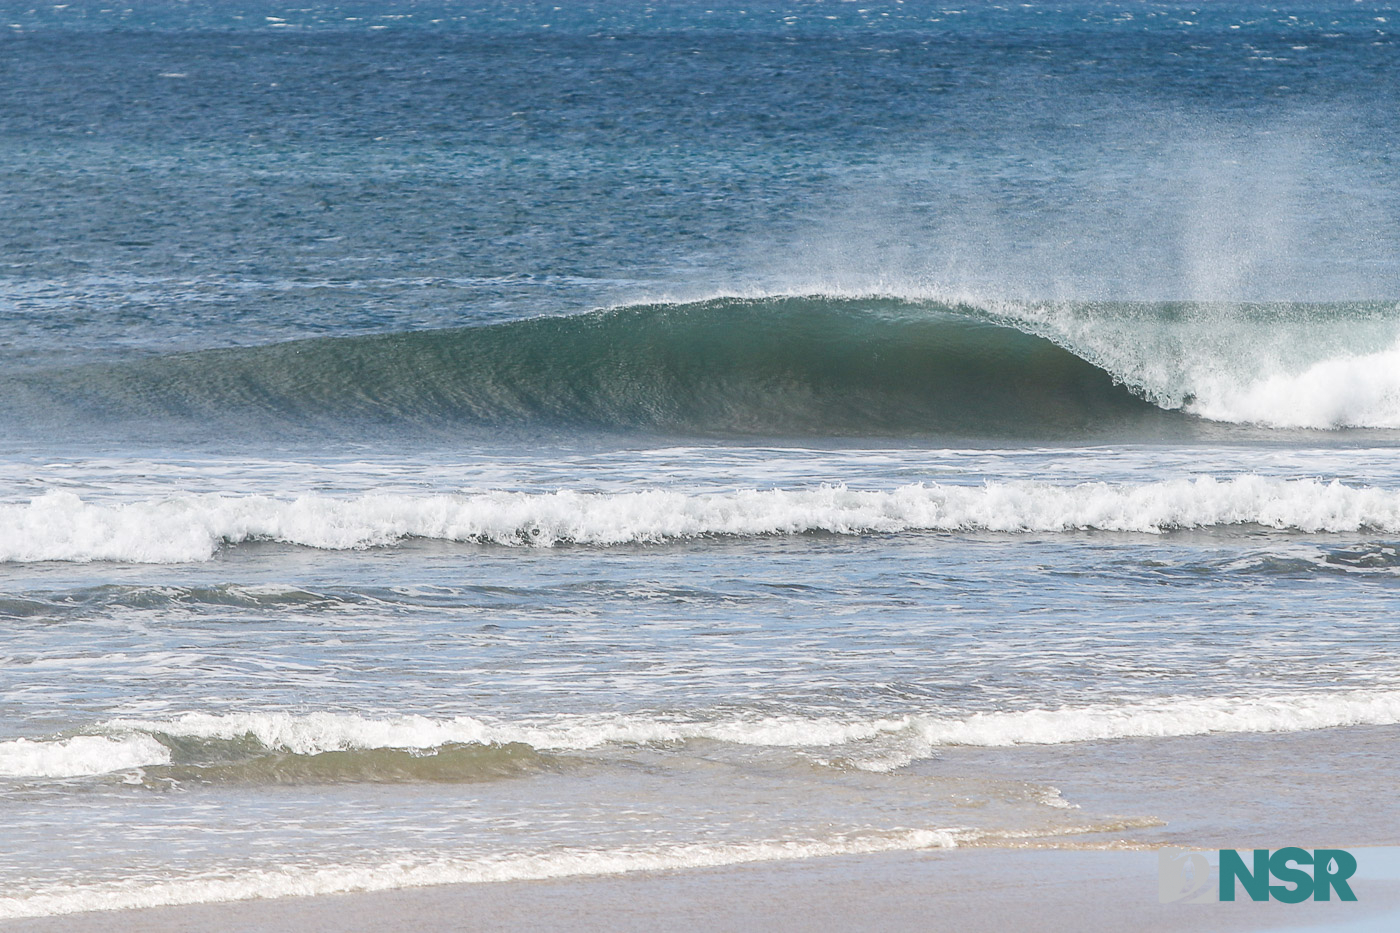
(1280, 365)
(59, 526)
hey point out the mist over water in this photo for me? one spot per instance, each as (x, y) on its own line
(1148, 205)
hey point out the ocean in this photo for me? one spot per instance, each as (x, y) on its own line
(469, 441)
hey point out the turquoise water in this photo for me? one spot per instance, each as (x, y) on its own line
(458, 443)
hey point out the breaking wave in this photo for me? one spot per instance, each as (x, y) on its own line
(325, 747)
(60, 526)
(825, 366)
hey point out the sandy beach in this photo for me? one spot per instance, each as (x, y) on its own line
(974, 889)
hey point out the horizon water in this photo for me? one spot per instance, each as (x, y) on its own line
(470, 442)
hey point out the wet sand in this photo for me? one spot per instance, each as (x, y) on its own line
(969, 889)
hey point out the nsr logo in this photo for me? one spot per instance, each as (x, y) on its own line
(1185, 877)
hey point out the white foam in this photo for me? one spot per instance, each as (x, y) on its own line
(1361, 390)
(1162, 718)
(61, 526)
(131, 743)
(79, 756)
(1296, 369)
(555, 864)
(1168, 717)
(873, 743)
(315, 733)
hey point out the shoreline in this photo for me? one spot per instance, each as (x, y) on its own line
(956, 889)
(1207, 792)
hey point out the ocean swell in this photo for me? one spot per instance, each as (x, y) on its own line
(803, 366)
(824, 365)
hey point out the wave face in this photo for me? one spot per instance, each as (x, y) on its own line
(786, 365)
(60, 526)
(771, 366)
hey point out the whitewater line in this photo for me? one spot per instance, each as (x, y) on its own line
(60, 526)
(876, 743)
